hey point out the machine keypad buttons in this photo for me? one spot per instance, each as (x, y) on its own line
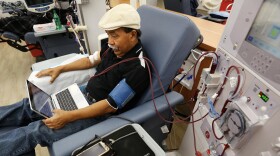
(261, 63)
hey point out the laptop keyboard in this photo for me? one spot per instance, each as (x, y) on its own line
(65, 100)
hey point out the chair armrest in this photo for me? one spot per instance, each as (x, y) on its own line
(139, 114)
(146, 110)
(52, 62)
(64, 79)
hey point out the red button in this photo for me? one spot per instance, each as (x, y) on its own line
(207, 134)
(208, 152)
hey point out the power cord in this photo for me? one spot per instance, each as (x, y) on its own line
(120, 138)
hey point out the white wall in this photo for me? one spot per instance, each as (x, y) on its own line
(91, 13)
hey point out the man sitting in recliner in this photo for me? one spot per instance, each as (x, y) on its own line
(122, 24)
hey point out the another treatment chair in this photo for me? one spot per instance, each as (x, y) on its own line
(168, 39)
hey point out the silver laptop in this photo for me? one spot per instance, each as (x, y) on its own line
(70, 98)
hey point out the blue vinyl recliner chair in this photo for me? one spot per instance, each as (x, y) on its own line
(168, 39)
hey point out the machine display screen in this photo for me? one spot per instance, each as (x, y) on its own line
(264, 97)
(265, 31)
(37, 2)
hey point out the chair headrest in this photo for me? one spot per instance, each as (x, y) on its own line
(168, 39)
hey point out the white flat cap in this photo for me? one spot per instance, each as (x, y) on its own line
(122, 15)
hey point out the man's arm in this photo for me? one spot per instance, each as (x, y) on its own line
(84, 63)
(61, 117)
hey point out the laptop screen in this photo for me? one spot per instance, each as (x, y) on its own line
(40, 101)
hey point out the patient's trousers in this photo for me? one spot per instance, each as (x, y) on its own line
(31, 130)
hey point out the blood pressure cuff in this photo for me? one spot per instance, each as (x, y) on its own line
(120, 95)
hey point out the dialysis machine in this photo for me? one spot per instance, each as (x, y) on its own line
(237, 108)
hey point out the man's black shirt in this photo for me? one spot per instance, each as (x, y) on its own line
(135, 72)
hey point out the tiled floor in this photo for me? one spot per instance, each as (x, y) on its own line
(15, 69)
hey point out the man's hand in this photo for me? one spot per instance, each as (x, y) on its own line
(53, 72)
(59, 120)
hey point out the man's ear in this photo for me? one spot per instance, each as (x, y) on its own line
(133, 34)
